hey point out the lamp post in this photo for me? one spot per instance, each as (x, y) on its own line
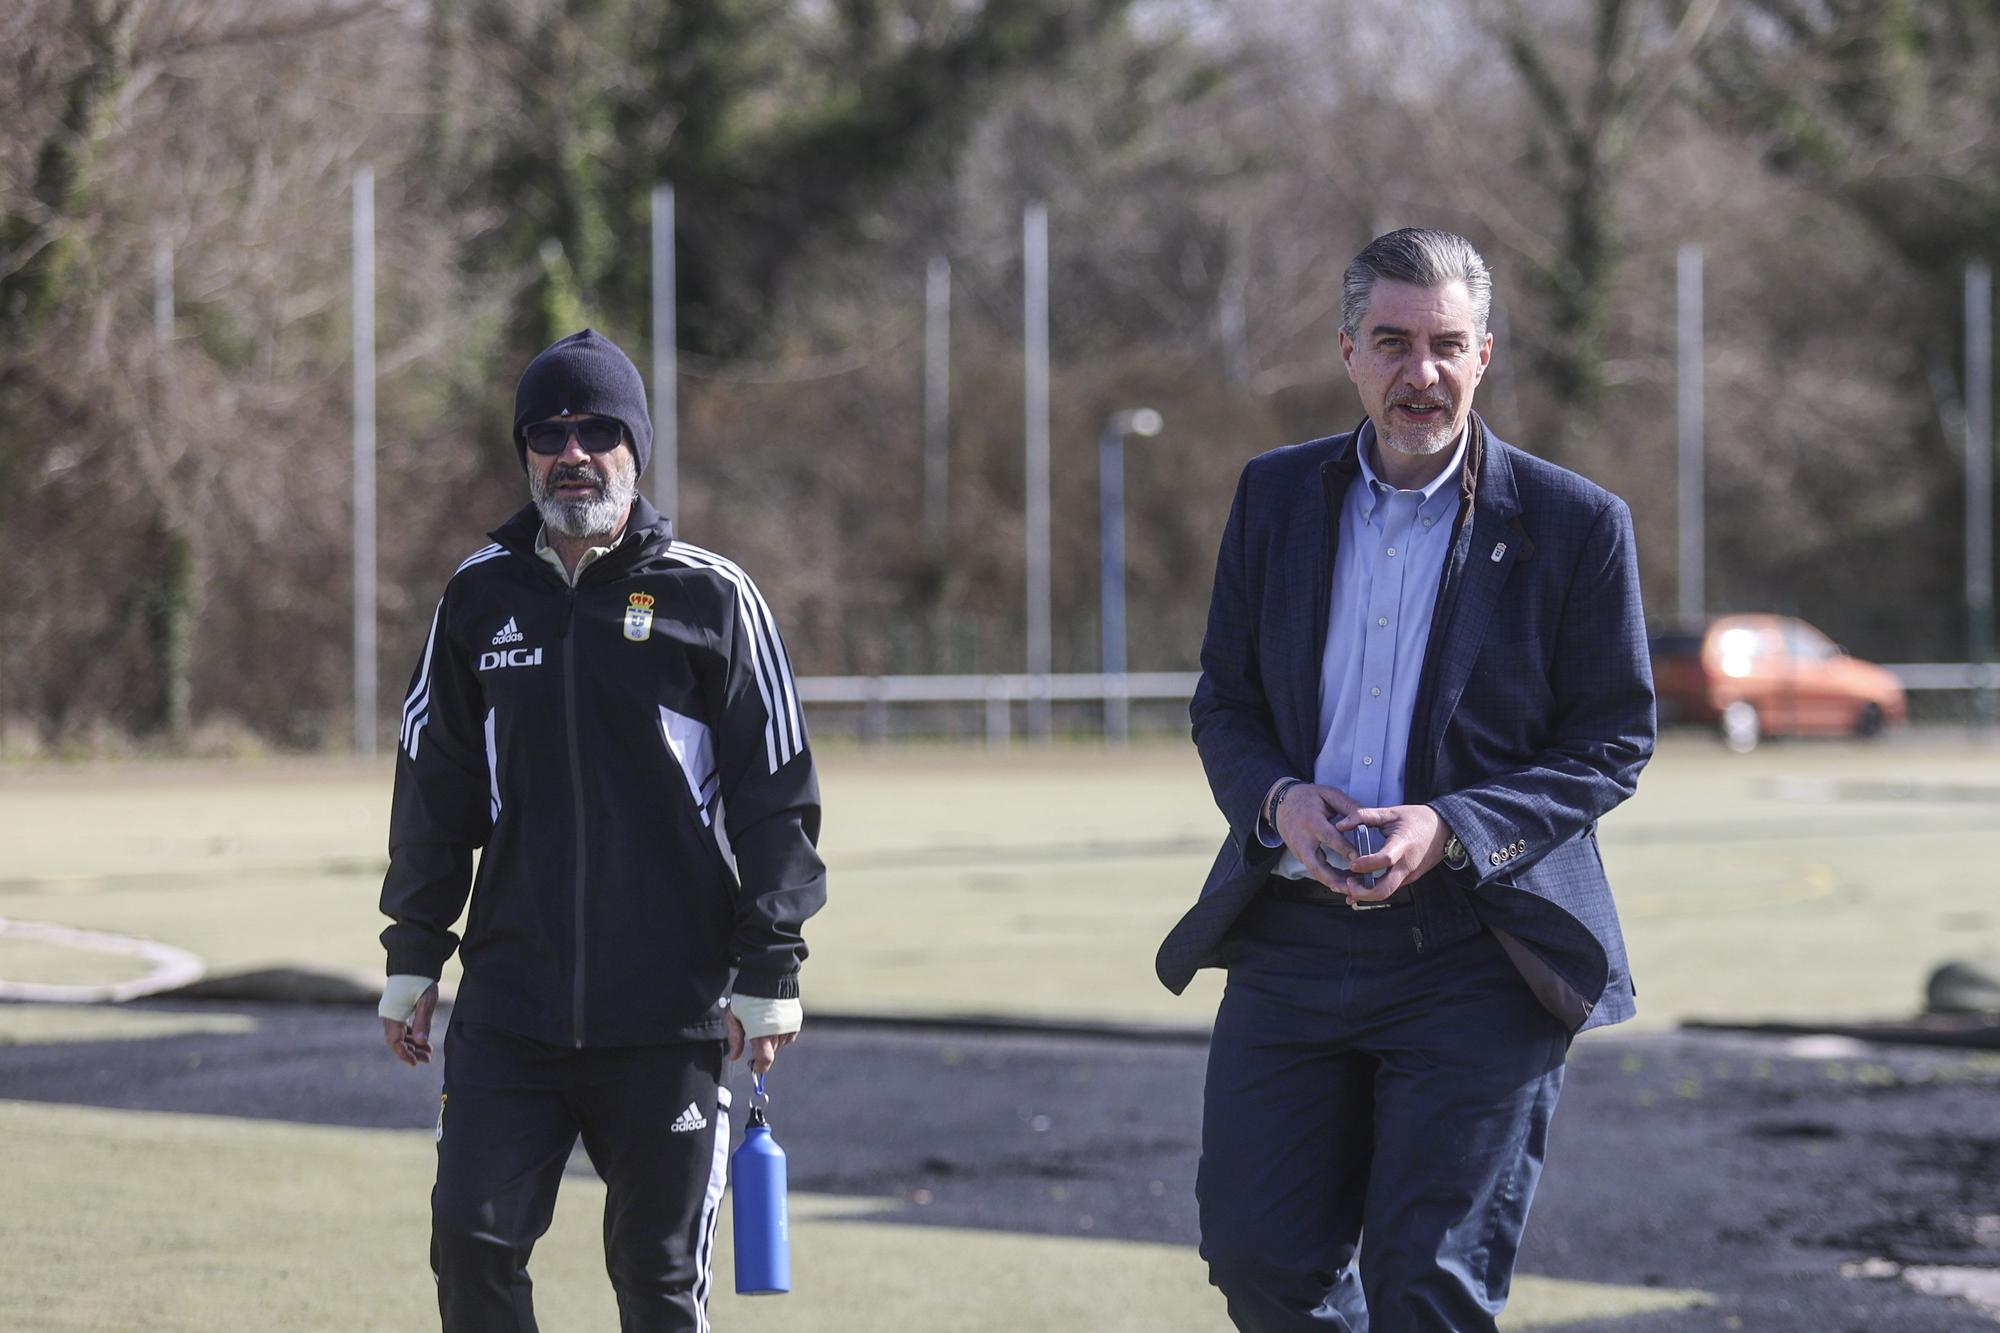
(1144, 422)
(1035, 395)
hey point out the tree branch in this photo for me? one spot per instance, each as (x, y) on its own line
(1652, 84)
(1543, 87)
(194, 40)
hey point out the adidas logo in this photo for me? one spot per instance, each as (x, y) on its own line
(509, 633)
(688, 1121)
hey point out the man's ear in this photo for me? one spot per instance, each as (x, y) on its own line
(1347, 352)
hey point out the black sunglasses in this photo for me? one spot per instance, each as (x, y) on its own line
(597, 435)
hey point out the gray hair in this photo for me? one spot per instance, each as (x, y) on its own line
(1422, 257)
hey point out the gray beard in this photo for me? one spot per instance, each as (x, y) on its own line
(1434, 440)
(581, 518)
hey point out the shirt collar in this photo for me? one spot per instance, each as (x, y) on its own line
(593, 554)
(1438, 494)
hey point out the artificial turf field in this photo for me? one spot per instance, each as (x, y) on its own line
(1808, 881)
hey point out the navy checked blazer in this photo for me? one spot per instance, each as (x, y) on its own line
(1534, 710)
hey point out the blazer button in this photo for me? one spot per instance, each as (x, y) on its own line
(1494, 859)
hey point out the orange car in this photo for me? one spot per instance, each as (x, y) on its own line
(1760, 675)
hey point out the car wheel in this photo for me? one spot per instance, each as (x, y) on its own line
(1868, 722)
(1740, 726)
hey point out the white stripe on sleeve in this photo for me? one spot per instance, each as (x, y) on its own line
(416, 707)
(784, 732)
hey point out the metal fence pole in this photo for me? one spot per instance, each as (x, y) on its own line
(364, 462)
(937, 396)
(1693, 542)
(1111, 563)
(1111, 573)
(1035, 293)
(666, 360)
(163, 292)
(1979, 479)
(999, 714)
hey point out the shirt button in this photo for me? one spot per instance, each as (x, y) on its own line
(1392, 550)
(1367, 759)
(1375, 690)
(1427, 522)
(1381, 620)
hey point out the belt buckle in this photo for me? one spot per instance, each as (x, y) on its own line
(1353, 906)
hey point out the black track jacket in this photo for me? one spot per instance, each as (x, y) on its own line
(631, 757)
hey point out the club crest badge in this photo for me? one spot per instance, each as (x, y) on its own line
(639, 617)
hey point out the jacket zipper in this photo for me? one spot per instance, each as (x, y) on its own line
(569, 641)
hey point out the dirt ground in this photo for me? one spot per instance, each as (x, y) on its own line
(1815, 1185)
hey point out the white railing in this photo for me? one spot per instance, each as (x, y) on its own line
(998, 694)
(1946, 675)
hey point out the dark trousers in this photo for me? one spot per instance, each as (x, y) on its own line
(1380, 1086)
(654, 1120)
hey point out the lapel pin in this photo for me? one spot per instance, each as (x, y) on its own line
(1499, 550)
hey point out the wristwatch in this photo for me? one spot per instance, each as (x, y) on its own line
(1454, 853)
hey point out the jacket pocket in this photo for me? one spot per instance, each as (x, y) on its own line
(692, 744)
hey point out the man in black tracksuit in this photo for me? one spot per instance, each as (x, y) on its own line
(607, 716)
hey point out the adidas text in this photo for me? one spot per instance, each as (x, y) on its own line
(509, 633)
(688, 1121)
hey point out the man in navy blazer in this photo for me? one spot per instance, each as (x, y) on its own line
(1424, 680)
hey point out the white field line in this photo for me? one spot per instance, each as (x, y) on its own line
(171, 967)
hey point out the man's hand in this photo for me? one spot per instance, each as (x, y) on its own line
(410, 1041)
(1413, 838)
(1305, 821)
(763, 1050)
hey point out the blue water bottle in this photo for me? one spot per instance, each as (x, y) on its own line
(763, 1226)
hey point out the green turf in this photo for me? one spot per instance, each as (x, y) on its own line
(23, 1024)
(1039, 883)
(42, 964)
(182, 1223)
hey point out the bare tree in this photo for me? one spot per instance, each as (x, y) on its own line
(1588, 127)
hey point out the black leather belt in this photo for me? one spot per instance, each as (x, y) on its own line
(1315, 894)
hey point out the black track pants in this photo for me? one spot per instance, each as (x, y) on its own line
(654, 1120)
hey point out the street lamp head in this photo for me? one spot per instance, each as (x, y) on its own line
(1137, 421)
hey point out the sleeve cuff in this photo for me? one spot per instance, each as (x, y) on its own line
(769, 985)
(1266, 833)
(400, 995)
(763, 1017)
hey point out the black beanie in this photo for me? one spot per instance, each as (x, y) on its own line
(585, 374)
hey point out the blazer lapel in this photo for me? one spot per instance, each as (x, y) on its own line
(1496, 544)
(1319, 528)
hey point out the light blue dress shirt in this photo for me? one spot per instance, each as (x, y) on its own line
(1385, 582)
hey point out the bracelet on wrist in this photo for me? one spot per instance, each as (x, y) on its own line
(1278, 794)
